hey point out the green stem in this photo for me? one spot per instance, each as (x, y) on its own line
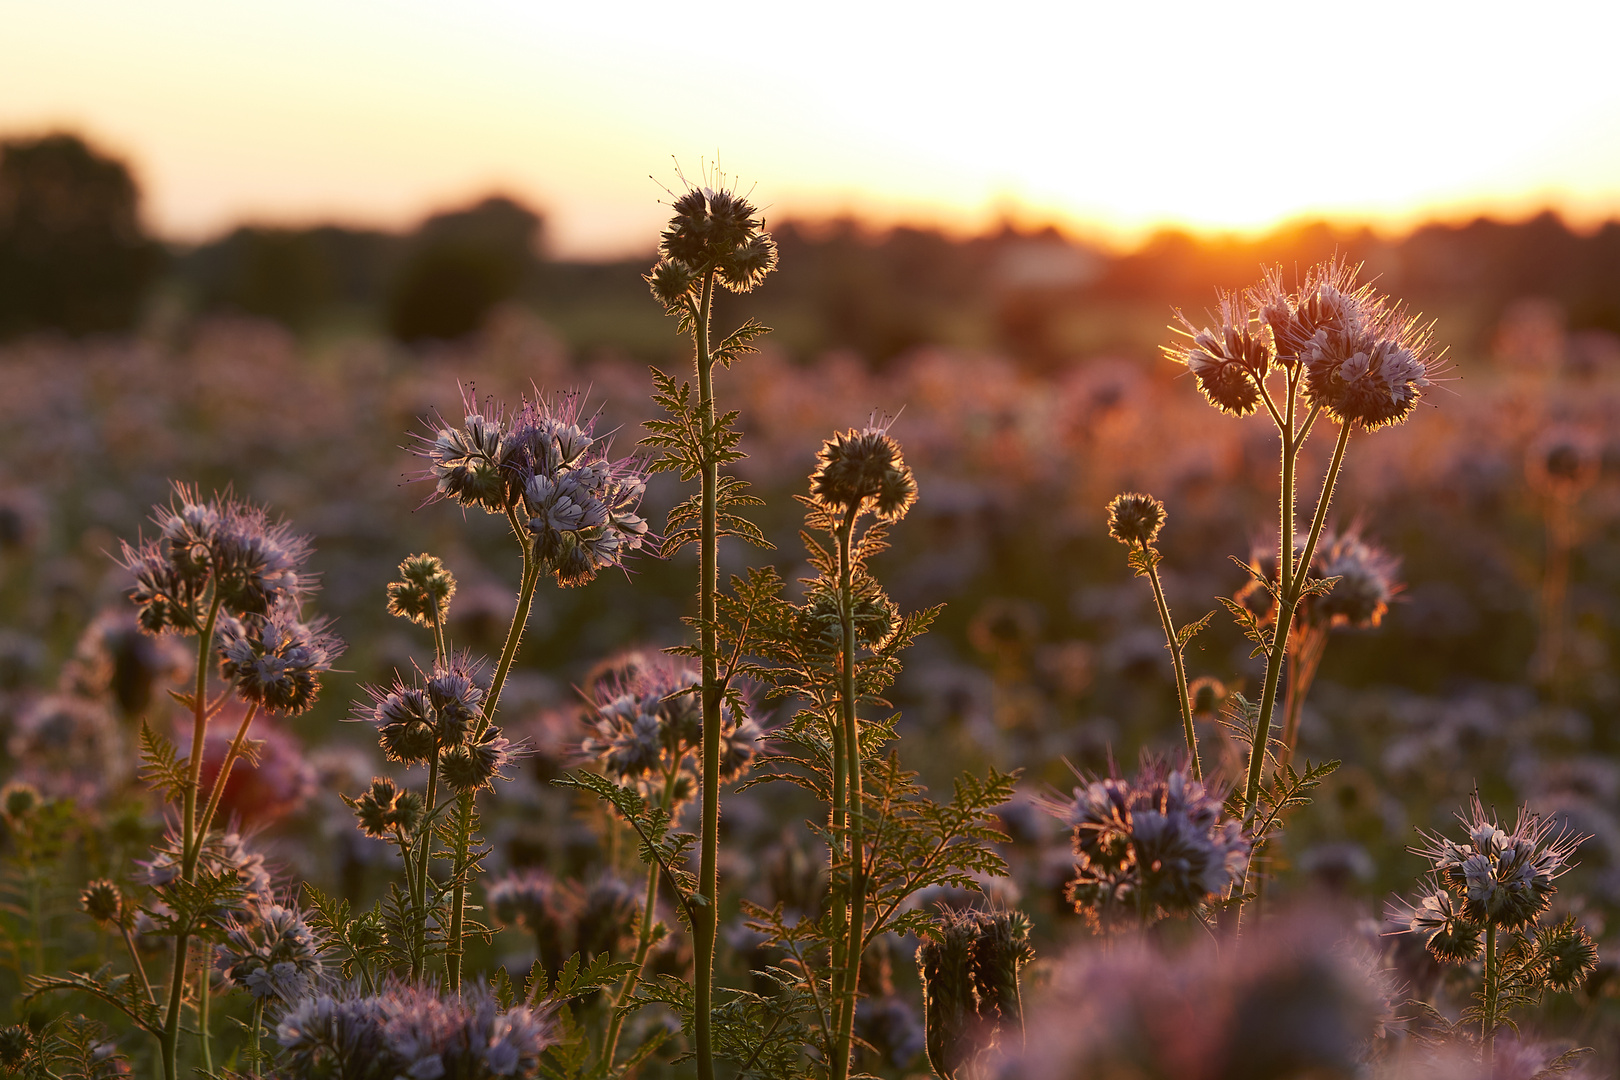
(705, 928)
(453, 946)
(1175, 658)
(204, 999)
(610, 1044)
(424, 842)
(231, 754)
(1293, 586)
(849, 987)
(1488, 1022)
(140, 968)
(191, 843)
(258, 1025)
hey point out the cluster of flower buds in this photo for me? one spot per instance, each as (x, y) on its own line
(713, 231)
(648, 722)
(250, 563)
(1498, 880)
(545, 465)
(1135, 520)
(565, 918)
(438, 719)
(1152, 846)
(1365, 361)
(424, 591)
(411, 1030)
(271, 952)
(859, 471)
(387, 810)
(969, 964)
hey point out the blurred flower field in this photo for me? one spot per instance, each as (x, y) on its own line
(1493, 670)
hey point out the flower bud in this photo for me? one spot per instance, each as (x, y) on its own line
(102, 901)
(424, 592)
(1135, 519)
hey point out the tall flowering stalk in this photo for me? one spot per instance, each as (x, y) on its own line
(714, 238)
(572, 512)
(1486, 896)
(220, 570)
(1331, 347)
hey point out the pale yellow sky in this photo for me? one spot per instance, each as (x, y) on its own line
(1109, 118)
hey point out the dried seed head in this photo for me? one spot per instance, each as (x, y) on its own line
(423, 592)
(1135, 519)
(862, 471)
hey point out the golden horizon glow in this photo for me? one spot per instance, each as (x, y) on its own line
(1109, 123)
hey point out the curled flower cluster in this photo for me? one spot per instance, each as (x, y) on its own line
(716, 231)
(271, 952)
(438, 719)
(1365, 361)
(1498, 879)
(969, 964)
(251, 563)
(546, 466)
(1149, 846)
(647, 723)
(1135, 519)
(863, 470)
(412, 1031)
(385, 809)
(275, 661)
(1359, 599)
(424, 591)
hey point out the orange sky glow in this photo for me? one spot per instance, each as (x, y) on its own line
(1109, 120)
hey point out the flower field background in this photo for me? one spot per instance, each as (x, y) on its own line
(1024, 405)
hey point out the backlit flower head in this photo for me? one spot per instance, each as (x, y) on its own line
(648, 719)
(1328, 300)
(272, 953)
(712, 229)
(1155, 844)
(476, 763)
(276, 661)
(1366, 582)
(102, 901)
(1227, 359)
(1135, 519)
(385, 809)
(863, 470)
(433, 713)
(1501, 878)
(477, 464)
(251, 562)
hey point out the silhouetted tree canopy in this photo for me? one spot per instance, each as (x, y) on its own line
(72, 254)
(462, 264)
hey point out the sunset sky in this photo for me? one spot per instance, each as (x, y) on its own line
(1109, 119)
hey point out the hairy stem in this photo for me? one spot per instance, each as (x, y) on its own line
(191, 843)
(610, 1042)
(705, 927)
(849, 985)
(233, 752)
(464, 803)
(1488, 1022)
(1175, 658)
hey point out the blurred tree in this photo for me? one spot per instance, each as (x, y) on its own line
(297, 276)
(72, 254)
(462, 264)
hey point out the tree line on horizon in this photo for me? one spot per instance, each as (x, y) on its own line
(76, 258)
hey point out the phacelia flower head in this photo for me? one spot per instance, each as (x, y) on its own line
(276, 660)
(1329, 300)
(272, 954)
(1135, 519)
(385, 808)
(478, 464)
(1501, 878)
(646, 720)
(969, 962)
(251, 562)
(424, 591)
(1229, 359)
(102, 901)
(1366, 582)
(1366, 361)
(416, 721)
(713, 229)
(476, 763)
(863, 470)
(1155, 844)
(413, 1031)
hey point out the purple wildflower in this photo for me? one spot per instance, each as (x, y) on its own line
(270, 952)
(275, 660)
